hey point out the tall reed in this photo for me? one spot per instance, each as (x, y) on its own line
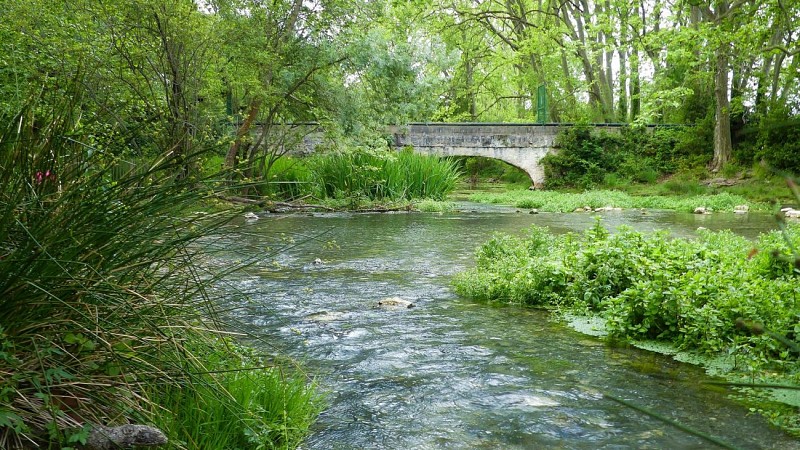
(380, 175)
(101, 296)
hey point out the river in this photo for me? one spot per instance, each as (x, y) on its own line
(454, 373)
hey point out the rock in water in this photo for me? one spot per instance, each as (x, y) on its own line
(325, 316)
(395, 302)
(792, 213)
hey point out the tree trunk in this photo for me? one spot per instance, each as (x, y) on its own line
(242, 133)
(722, 120)
(622, 96)
(636, 102)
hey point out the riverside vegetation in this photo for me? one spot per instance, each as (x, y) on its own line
(105, 313)
(359, 176)
(730, 300)
(660, 168)
(104, 310)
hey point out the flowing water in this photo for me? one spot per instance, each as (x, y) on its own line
(453, 373)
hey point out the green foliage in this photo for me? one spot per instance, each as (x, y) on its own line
(379, 174)
(477, 167)
(435, 206)
(690, 293)
(287, 178)
(583, 158)
(242, 404)
(100, 292)
(587, 156)
(779, 141)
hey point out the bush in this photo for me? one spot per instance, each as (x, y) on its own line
(690, 293)
(586, 156)
(779, 140)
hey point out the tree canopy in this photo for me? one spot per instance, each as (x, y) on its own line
(159, 74)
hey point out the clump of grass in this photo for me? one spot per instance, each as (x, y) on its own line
(377, 175)
(435, 206)
(681, 185)
(272, 407)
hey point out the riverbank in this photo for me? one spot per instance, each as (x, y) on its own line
(680, 192)
(717, 295)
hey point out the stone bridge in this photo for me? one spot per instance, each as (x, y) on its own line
(521, 145)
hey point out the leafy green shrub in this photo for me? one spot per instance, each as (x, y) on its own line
(690, 293)
(586, 156)
(583, 158)
(779, 140)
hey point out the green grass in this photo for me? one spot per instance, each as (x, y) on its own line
(556, 201)
(242, 405)
(435, 206)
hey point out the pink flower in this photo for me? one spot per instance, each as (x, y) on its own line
(47, 175)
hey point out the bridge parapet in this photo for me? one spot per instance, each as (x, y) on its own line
(477, 136)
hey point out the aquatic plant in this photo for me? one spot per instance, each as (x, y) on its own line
(434, 206)
(650, 286)
(378, 174)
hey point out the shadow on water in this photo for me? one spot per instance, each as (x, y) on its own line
(452, 373)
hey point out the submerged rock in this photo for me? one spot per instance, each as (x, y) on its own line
(325, 316)
(395, 302)
(250, 216)
(741, 209)
(702, 210)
